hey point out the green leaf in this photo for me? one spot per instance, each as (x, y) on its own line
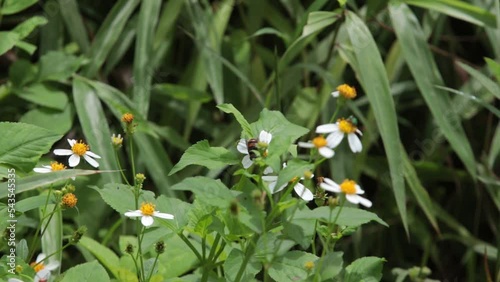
(22, 250)
(458, 9)
(202, 154)
(364, 269)
(474, 99)
(106, 256)
(373, 77)
(233, 263)
(43, 179)
(121, 197)
(489, 84)
(45, 95)
(89, 271)
(182, 93)
(31, 203)
(178, 208)
(176, 251)
(22, 72)
(58, 66)
(56, 121)
(352, 217)
(426, 74)
(23, 144)
(332, 265)
(7, 41)
(494, 67)
(275, 123)
(291, 266)
(207, 190)
(245, 126)
(26, 27)
(74, 24)
(295, 168)
(13, 6)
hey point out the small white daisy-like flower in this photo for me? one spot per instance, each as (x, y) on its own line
(299, 188)
(338, 130)
(243, 147)
(323, 145)
(42, 270)
(345, 91)
(54, 166)
(78, 149)
(350, 188)
(146, 212)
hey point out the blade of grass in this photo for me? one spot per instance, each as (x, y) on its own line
(143, 73)
(489, 84)
(425, 72)
(74, 24)
(473, 98)
(374, 79)
(52, 238)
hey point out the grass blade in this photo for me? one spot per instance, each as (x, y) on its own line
(74, 23)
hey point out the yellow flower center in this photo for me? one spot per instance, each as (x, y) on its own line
(37, 266)
(55, 166)
(117, 140)
(319, 142)
(147, 209)
(348, 187)
(69, 200)
(309, 265)
(80, 148)
(347, 91)
(346, 126)
(128, 118)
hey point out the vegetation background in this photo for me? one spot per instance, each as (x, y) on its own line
(176, 60)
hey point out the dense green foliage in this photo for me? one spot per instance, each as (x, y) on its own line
(200, 75)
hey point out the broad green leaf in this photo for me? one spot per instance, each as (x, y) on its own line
(458, 9)
(275, 123)
(43, 179)
(22, 72)
(202, 154)
(26, 27)
(65, 67)
(89, 271)
(10, 7)
(233, 263)
(364, 269)
(374, 80)
(56, 121)
(97, 134)
(208, 191)
(7, 41)
(23, 144)
(178, 208)
(485, 81)
(177, 259)
(332, 265)
(291, 266)
(121, 197)
(426, 74)
(22, 250)
(106, 256)
(28, 47)
(107, 35)
(31, 203)
(44, 94)
(182, 93)
(295, 168)
(352, 217)
(245, 126)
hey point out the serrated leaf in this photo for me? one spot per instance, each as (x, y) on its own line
(245, 126)
(233, 263)
(174, 206)
(291, 266)
(332, 265)
(364, 269)
(295, 168)
(90, 271)
(207, 190)
(121, 197)
(23, 144)
(348, 216)
(202, 154)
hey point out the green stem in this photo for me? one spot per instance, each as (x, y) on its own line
(139, 253)
(120, 167)
(153, 268)
(112, 230)
(248, 254)
(186, 240)
(35, 238)
(131, 144)
(339, 103)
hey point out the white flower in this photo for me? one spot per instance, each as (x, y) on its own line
(338, 130)
(78, 149)
(263, 141)
(323, 145)
(299, 188)
(42, 270)
(54, 166)
(350, 188)
(147, 212)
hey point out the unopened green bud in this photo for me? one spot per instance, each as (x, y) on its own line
(129, 249)
(160, 247)
(234, 208)
(78, 234)
(140, 178)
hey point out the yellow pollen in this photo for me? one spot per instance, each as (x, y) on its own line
(55, 166)
(128, 118)
(69, 200)
(264, 154)
(347, 91)
(80, 148)
(309, 265)
(319, 142)
(348, 187)
(37, 266)
(346, 126)
(147, 209)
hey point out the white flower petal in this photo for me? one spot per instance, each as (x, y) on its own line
(40, 257)
(354, 143)
(42, 275)
(93, 155)
(359, 191)
(306, 145)
(265, 137)
(330, 182)
(270, 178)
(135, 213)
(147, 220)
(74, 160)
(353, 198)
(327, 128)
(272, 185)
(163, 215)
(14, 280)
(279, 188)
(246, 161)
(71, 142)
(268, 170)
(42, 169)
(334, 139)
(242, 146)
(331, 188)
(63, 152)
(53, 265)
(326, 152)
(365, 202)
(303, 192)
(359, 132)
(91, 161)
(335, 94)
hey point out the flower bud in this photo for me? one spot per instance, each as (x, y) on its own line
(160, 247)
(78, 234)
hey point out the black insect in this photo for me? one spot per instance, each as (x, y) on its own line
(252, 148)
